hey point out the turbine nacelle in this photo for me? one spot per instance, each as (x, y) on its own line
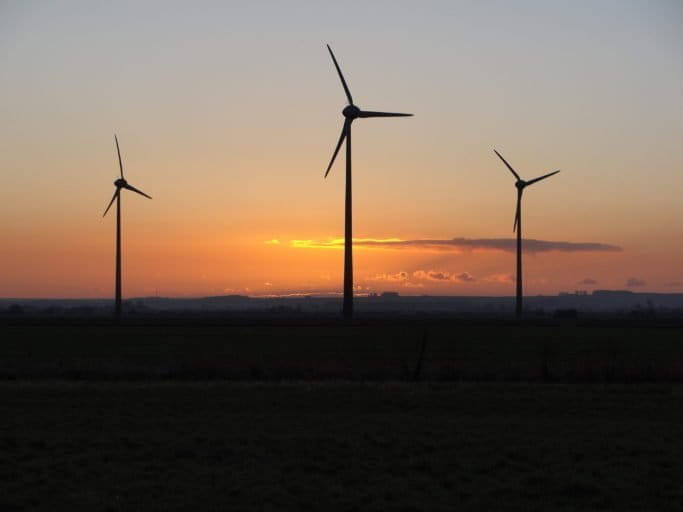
(520, 184)
(351, 112)
(120, 183)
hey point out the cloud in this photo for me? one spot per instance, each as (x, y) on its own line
(431, 275)
(436, 275)
(465, 277)
(274, 241)
(460, 244)
(391, 278)
(299, 294)
(338, 243)
(588, 281)
(416, 278)
(674, 283)
(634, 282)
(499, 278)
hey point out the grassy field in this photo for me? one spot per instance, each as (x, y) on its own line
(339, 446)
(381, 350)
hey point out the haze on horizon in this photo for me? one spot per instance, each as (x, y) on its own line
(229, 112)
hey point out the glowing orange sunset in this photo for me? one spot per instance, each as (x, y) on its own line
(233, 146)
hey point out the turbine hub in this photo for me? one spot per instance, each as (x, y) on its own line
(520, 184)
(351, 112)
(120, 183)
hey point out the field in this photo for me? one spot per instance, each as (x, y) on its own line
(339, 446)
(322, 416)
(374, 350)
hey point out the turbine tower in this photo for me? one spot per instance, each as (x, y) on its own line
(521, 185)
(119, 184)
(350, 113)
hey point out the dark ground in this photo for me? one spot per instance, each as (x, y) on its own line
(340, 446)
(376, 349)
(320, 416)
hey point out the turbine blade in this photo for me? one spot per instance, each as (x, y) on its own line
(131, 187)
(368, 113)
(119, 153)
(116, 192)
(336, 150)
(541, 177)
(346, 87)
(519, 200)
(507, 164)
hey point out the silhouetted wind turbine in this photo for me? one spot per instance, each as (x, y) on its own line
(350, 113)
(119, 184)
(521, 185)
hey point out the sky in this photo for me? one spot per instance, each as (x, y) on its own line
(228, 112)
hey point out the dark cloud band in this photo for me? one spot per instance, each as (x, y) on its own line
(473, 244)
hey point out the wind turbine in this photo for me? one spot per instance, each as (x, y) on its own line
(119, 184)
(350, 113)
(521, 185)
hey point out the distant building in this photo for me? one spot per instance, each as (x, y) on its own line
(612, 293)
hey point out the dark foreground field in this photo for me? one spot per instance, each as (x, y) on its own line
(384, 414)
(339, 446)
(614, 350)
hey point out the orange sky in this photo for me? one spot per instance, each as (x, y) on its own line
(228, 115)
